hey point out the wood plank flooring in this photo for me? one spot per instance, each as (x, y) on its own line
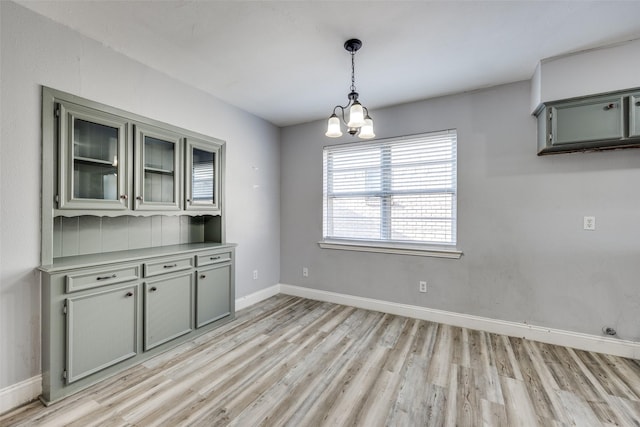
(289, 361)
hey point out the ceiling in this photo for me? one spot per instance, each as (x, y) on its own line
(284, 60)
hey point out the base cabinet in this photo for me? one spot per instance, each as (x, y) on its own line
(101, 330)
(213, 292)
(168, 308)
(106, 312)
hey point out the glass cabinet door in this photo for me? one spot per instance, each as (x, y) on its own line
(92, 150)
(634, 115)
(202, 176)
(158, 173)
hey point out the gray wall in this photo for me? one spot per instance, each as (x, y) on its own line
(520, 218)
(37, 51)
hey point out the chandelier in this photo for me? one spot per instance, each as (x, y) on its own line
(359, 120)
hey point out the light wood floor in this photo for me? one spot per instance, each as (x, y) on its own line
(296, 362)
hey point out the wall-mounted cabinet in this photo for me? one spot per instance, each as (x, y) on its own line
(591, 123)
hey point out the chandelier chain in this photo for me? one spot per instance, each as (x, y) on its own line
(353, 72)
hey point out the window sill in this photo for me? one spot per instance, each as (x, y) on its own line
(389, 248)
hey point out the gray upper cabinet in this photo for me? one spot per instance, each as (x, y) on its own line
(109, 162)
(591, 123)
(592, 120)
(634, 115)
(202, 175)
(158, 172)
(92, 159)
(101, 330)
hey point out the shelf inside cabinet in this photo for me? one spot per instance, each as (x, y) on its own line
(151, 169)
(96, 161)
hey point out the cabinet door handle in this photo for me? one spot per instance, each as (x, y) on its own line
(153, 289)
(189, 200)
(170, 265)
(139, 198)
(638, 103)
(610, 106)
(213, 258)
(124, 196)
(202, 276)
(113, 276)
(128, 294)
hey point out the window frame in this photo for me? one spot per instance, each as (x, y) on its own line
(385, 193)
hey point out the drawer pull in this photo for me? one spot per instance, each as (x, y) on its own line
(128, 294)
(113, 276)
(153, 289)
(213, 258)
(610, 106)
(170, 265)
(202, 276)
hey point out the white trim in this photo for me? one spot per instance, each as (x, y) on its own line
(256, 297)
(613, 346)
(20, 393)
(391, 249)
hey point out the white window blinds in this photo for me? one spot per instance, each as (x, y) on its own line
(395, 190)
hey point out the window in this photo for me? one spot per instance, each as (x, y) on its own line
(392, 192)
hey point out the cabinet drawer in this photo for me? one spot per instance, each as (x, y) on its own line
(108, 276)
(212, 258)
(168, 265)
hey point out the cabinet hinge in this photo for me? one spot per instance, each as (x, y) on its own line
(550, 137)
(57, 110)
(64, 308)
(57, 198)
(64, 375)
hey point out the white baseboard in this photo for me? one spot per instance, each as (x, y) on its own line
(18, 394)
(256, 297)
(576, 340)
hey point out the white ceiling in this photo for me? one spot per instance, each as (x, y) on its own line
(284, 60)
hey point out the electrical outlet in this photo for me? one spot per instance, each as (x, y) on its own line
(422, 286)
(305, 272)
(590, 223)
(255, 274)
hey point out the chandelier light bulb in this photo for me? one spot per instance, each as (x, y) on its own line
(356, 115)
(366, 131)
(333, 127)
